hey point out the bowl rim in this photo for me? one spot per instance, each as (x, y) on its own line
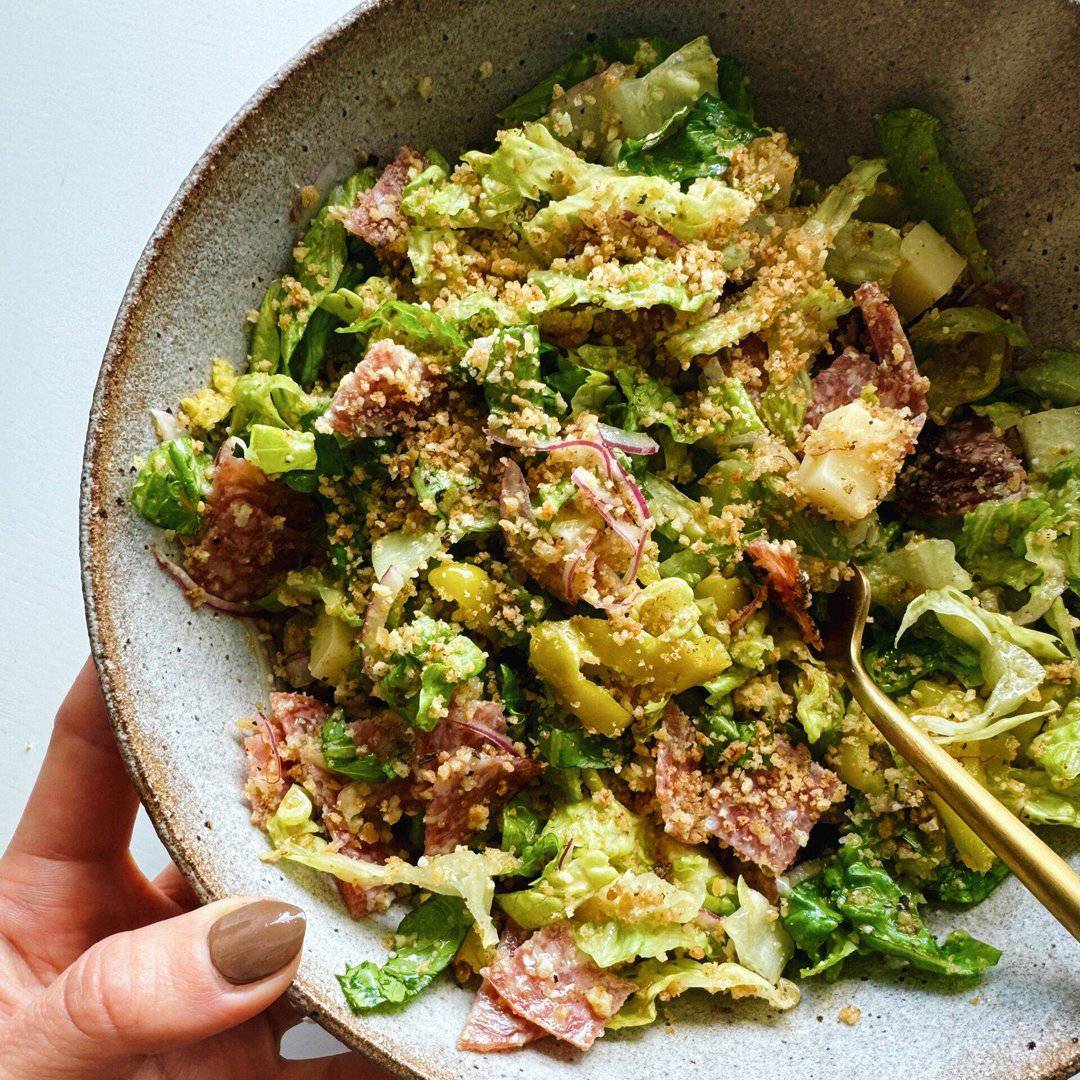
(303, 994)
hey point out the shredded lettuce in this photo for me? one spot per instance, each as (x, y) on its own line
(1055, 376)
(643, 285)
(1057, 749)
(272, 400)
(613, 942)
(864, 251)
(1006, 653)
(897, 577)
(670, 978)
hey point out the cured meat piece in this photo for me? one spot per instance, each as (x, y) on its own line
(967, 465)
(382, 395)
(840, 383)
(254, 530)
(377, 216)
(285, 745)
(764, 813)
(467, 723)
(786, 582)
(492, 1025)
(360, 900)
(896, 378)
(552, 984)
(464, 790)
(898, 381)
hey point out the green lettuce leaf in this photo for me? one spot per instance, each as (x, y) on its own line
(1057, 749)
(897, 577)
(320, 258)
(1055, 376)
(864, 251)
(642, 286)
(412, 324)
(512, 372)
(960, 886)
(433, 659)
(280, 450)
(560, 890)
(819, 705)
(612, 942)
(1050, 438)
(761, 942)
(273, 400)
(913, 143)
(427, 939)
(670, 978)
(171, 485)
(264, 348)
(340, 754)
(697, 140)
(523, 836)
(950, 325)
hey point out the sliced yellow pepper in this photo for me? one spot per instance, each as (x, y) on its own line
(471, 588)
(555, 653)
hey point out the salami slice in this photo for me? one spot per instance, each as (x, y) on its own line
(254, 530)
(763, 812)
(898, 381)
(840, 383)
(377, 216)
(382, 395)
(492, 1025)
(551, 983)
(966, 465)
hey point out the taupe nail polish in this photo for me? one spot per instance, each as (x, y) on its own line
(256, 940)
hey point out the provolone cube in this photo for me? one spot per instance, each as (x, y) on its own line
(850, 462)
(929, 268)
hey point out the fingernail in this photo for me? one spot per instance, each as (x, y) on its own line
(256, 940)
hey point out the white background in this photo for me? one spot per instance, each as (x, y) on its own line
(103, 109)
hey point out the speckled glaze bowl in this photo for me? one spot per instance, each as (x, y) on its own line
(1005, 77)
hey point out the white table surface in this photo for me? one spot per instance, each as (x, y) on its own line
(104, 107)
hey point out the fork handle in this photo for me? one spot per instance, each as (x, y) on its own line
(1045, 873)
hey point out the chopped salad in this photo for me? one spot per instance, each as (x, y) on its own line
(535, 477)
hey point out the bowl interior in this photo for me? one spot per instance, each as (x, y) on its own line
(1003, 77)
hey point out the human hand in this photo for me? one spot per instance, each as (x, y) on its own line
(105, 974)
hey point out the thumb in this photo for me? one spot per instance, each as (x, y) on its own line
(155, 989)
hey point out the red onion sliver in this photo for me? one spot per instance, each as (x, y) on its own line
(271, 738)
(382, 600)
(604, 505)
(190, 587)
(515, 499)
(494, 737)
(629, 442)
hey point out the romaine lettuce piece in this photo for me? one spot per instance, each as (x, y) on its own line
(819, 705)
(614, 942)
(642, 286)
(913, 143)
(1055, 376)
(695, 141)
(757, 932)
(842, 200)
(320, 258)
(291, 822)
(523, 836)
(783, 406)
(412, 324)
(645, 104)
(951, 325)
(171, 485)
(264, 346)
(1035, 797)
(426, 660)
(1011, 671)
(462, 872)
(897, 577)
(340, 754)
(1057, 749)
(280, 450)
(1050, 437)
(673, 977)
(644, 52)
(960, 886)
(274, 400)
(427, 939)
(510, 371)
(560, 889)
(864, 251)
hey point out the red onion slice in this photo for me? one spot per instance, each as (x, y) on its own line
(190, 587)
(629, 442)
(515, 499)
(383, 595)
(610, 464)
(494, 737)
(271, 738)
(605, 506)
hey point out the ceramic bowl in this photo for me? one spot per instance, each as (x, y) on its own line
(1004, 77)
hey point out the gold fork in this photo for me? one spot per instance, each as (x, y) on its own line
(1052, 881)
